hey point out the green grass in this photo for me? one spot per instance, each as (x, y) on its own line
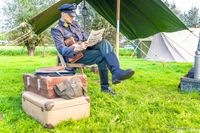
(148, 102)
(22, 51)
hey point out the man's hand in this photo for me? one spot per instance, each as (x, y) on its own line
(84, 45)
(80, 47)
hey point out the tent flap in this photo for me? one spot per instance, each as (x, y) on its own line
(139, 18)
(46, 18)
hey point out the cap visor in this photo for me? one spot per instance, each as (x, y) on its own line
(71, 13)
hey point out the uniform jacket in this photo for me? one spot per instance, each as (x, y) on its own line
(63, 31)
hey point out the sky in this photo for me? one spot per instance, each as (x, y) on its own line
(183, 5)
(2, 17)
(2, 3)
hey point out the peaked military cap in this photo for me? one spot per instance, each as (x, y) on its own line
(68, 8)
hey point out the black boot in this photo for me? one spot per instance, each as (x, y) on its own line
(104, 82)
(117, 74)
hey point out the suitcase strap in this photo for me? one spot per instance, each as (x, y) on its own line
(38, 85)
(27, 81)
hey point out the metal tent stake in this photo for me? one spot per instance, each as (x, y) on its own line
(197, 62)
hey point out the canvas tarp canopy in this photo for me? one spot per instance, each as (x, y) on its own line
(174, 47)
(138, 19)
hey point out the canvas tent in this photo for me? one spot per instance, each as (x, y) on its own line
(174, 47)
(139, 18)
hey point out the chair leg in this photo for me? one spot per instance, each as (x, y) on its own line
(81, 70)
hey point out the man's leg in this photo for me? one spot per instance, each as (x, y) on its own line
(112, 62)
(104, 47)
(95, 57)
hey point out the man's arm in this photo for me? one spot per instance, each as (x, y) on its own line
(60, 44)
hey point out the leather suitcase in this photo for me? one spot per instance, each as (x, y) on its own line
(43, 85)
(50, 112)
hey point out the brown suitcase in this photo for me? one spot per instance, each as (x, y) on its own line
(50, 112)
(43, 85)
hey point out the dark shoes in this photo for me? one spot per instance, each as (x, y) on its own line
(117, 78)
(117, 74)
(109, 90)
(120, 75)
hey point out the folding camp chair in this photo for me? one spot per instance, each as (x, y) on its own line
(70, 65)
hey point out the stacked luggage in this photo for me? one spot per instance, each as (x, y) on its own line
(54, 96)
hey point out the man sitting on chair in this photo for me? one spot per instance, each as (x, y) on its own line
(70, 41)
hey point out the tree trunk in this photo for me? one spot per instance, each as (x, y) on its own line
(44, 51)
(31, 51)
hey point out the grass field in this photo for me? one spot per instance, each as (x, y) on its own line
(49, 51)
(148, 102)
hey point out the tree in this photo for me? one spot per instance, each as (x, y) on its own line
(173, 8)
(192, 18)
(19, 11)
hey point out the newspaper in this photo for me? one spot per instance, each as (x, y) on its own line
(94, 37)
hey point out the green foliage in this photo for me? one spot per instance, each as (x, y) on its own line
(172, 7)
(3, 37)
(125, 52)
(190, 18)
(21, 51)
(41, 51)
(21, 11)
(148, 102)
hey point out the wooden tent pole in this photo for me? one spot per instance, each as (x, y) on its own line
(118, 22)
